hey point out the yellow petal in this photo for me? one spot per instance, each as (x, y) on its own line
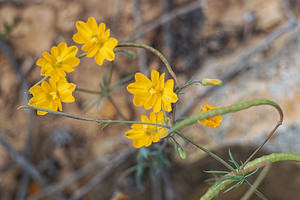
(41, 62)
(157, 103)
(212, 122)
(101, 29)
(155, 77)
(135, 134)
(148, 141)
(144, 118)
(138, 143)
(141, 86)
(167, 106)
(72, 62)
(152, 117)
(84, 29)
(111, 43)
(162, 81)
(46, 87)
(54, 52)
(39, 112)
(48, 57)
(150, 102)
(107, 53)
(99, 58)
(92, 24)
(139, 100)
(47, 69)
(79, 38)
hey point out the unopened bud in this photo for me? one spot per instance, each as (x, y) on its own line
(182, 153)
(209, 81)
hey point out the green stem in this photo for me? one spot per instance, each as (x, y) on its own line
(40, 81)
(87, 91)
(225, 110)
(82, 55)
(214, 190)
(156, 52)
(90, 119)
(207, 151)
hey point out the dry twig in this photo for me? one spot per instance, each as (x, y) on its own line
(166, 18)
(141, 52)
(101, 176)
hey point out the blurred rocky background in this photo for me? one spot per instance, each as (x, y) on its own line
(253, 46)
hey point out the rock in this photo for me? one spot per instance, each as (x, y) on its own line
(35, 33)
(68, 16)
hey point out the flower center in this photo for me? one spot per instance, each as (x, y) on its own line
(57, 62)
(154, 91)
(98, 40)
(54, 95)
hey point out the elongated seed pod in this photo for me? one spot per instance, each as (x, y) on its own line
(214, 190)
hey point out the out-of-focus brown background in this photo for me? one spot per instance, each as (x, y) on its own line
(253, 46)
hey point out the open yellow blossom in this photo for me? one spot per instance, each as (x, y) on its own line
(153, 93)
(96, 40)
(212, 122)
(50, 95)
(143, 134)
(62, 59)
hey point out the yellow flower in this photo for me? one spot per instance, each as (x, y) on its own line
(155, 93)
(96, 40)
(212, 122)
(50, 95)
(62, 60)
(143, 134)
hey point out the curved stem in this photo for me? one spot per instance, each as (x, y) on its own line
(230, 109)
(90, 119)
(207, 151)
(225, 110)
(156, 52)
(214, 190)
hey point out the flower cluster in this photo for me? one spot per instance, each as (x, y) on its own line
(62, 59)
(156, 94)
(152, 93)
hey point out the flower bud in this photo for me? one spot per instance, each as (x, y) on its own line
(208, 81)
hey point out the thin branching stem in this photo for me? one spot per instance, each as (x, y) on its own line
(40, 81)
(206, 151)
(90, 119)
(156, 52)
(82, 55)
(230, 109)
(262, 144)
(78, 89)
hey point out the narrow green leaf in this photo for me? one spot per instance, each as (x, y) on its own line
(234, 186)
(217, 172)
(232, 160)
